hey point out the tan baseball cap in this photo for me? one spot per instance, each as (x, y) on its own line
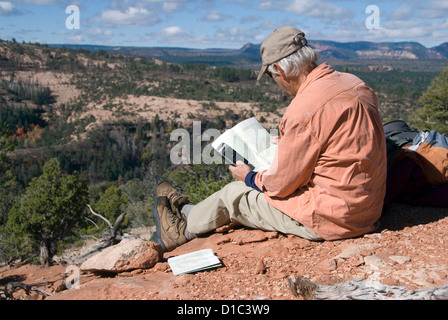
(280, 44)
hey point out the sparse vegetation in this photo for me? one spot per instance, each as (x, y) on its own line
(397, 90)
(433, 115)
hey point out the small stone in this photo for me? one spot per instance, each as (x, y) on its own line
(327, 265)
(357, 250)
(400, 259)
(260, 268)
(374, 260)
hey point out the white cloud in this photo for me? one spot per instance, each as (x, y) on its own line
(238, 36)
(60, 32)
(232, 23)
(170, 6)
(40, 2)
(172, 31)
(319, 9)
(6, 6)
(213, 17)
(250, 19)
(402, 13)
(166, 6)
(434, 9)
(95, 32)
(425, 32)
(131, 17)
(175, 35)
(439, 4)
(8, 9)
(74, 39)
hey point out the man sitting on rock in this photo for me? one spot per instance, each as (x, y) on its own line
(330, 175)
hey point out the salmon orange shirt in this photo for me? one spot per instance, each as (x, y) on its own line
(329, 173)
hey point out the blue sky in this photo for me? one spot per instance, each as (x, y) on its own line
(221, 23)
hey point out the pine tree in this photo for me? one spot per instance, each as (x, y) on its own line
(53, 205)
(433, 115)
(8, 183)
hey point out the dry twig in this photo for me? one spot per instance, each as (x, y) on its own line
(362, 290)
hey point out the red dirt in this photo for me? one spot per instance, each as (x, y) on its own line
(410, 249)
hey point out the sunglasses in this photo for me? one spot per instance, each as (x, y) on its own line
(270, 74)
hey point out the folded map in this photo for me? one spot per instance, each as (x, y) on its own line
(249, 142)
(194, 262)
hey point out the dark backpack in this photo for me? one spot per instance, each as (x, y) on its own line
(429, 149)
(398, 135)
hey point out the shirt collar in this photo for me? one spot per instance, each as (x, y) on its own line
(317, 73)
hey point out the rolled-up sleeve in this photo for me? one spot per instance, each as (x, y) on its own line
(294, 163)
(250, 180)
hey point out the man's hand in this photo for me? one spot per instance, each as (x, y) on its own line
(240, 171)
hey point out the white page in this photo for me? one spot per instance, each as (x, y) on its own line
(194, 261)
(252, 141)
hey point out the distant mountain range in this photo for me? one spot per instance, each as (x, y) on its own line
(249, 54)
(384, 50)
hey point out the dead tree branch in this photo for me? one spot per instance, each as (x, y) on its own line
(99, 216)
(109, 238)
(362, 290)
(12, 287)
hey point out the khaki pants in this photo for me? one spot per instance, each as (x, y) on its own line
(238, 203)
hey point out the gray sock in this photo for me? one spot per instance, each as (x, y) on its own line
(185, 212)
(189, 236)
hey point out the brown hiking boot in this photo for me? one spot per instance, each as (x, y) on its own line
(170, 227)
(176, 200)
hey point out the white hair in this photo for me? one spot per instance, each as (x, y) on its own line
(296, 63)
